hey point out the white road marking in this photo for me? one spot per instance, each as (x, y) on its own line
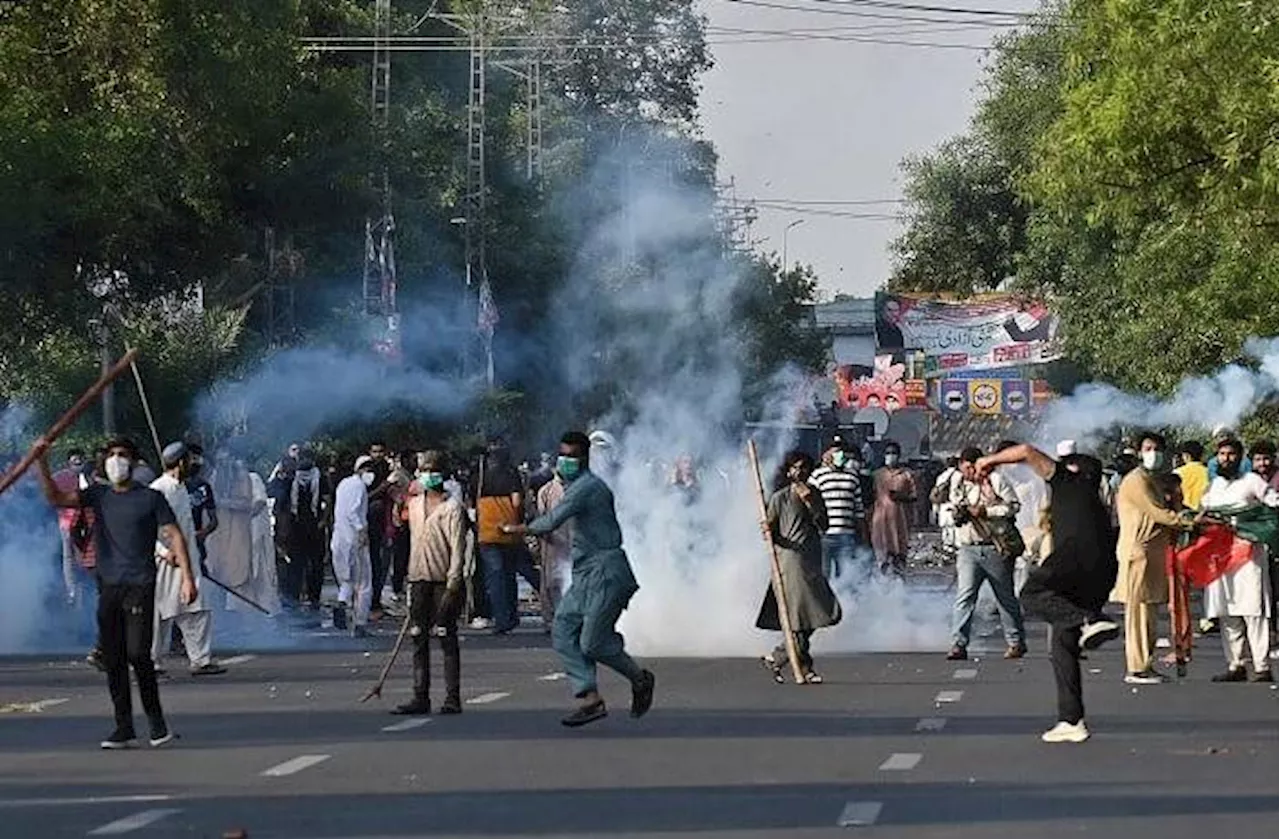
(901, 762)
(407, 725)
(486, 698)
(967, 673)
(553, 677)
(238, 659)
(948, 696)
(931, 724)
(70, 802)
(36, 707)
(289, 767)
(131, 823)
(860, 814)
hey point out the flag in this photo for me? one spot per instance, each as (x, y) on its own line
(1215, 552)
(488, 316)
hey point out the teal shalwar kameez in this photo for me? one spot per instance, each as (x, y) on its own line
(602, 584)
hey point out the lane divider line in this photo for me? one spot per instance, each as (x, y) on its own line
(37, 707)
(901, 762)
(948, 696)
(967, 673)
(859, 814)
(486, 698)
(931, 724)
(238, 659)
(131, 823)
(290, 767)
(408, 725)
(553, 677)
(68, 802)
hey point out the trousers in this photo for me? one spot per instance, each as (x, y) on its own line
(802, 638)
(1257, 630)
(501, 563)
(126, 615)
(1065, 621)
(974, 564)
(584, 633)
(1139, 635)
(351, 565)
(430, 605)
(197, 636)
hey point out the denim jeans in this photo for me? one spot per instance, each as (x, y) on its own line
(501, 563)
(974, 564)
(838, 554)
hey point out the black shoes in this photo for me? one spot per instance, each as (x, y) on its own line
(416, 708)
(1232, 674)
(642, 694)
(452, 705)
(120, 740)
(585, 714)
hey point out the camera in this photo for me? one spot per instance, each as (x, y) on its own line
(961, 515)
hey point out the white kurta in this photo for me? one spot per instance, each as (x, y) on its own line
(230, 547)
(1245, 592)
(351, 564)
(169, 577)
(261, 587)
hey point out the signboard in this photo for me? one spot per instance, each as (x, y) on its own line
(917, 393)
(984, 332)
(881, 387)
(953, 396)
(984, 396)
(1017, 396)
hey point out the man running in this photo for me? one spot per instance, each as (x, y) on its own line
(128, 517)
(602, 585)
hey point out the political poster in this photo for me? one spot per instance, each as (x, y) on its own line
(984, 396)
(1017, 396)
(983, 332)
(953, 396)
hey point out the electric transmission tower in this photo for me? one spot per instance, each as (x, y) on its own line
(379, 275)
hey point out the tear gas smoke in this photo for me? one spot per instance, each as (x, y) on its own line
(1222, 399)
(666, 336)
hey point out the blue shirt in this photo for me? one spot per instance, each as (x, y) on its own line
(125, 526)
(588, 501)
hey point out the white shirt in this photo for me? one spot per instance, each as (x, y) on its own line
(1003, 503)
(351, 506)
(1245, 591)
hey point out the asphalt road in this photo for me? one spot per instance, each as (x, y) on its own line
(894, 745)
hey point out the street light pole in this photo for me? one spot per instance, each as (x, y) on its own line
(785, 231)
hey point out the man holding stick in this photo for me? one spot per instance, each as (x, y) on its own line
(601, 587)
(128, 518)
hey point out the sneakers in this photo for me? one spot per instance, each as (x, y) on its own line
(1147, 677)
(1015, 651)
(1065, 732)
(1232, 674)
(209, 669)
(585, 714)
(481, 623)
(120, 740)
(1096, 633)
(94, 659)
(161, 735)
(642, 694)
(415, 708)
(958, 654)
(1262, 676)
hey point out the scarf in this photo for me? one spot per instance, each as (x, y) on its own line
(311, 477)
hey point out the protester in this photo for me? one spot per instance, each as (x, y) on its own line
(795, 519)
(262, 587)
(1169, 486)
(1070, 587)
(584, 633)
(204, 506)
(940, 498)
(229, 549)
(128, 518)
(193, 618)
(402, 478)
(349, 545)
(72, 524)
(841, 493)
(1241, 597)
(1192, 473)
(499, 503)
(379, 513)
(978, 501)
(554, 552)
(1146, 527)
(437, 526)
(1263, 454)
(895, 491)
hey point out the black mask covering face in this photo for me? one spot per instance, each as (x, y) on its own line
(1089, 468)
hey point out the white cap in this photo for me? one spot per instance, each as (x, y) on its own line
(362, 461)
(1066, 447)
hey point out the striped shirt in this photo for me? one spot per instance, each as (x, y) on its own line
(842, 494)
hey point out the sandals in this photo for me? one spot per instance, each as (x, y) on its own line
(775, 667)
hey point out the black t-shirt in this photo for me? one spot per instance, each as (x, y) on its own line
(1082, 565)
(201, 500)
(500, 480)
(125, 526)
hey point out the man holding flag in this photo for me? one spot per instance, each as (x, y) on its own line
(1232, 564)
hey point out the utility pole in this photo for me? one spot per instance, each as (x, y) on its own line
(108, 395)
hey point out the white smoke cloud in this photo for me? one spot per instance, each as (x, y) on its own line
(1222, 399)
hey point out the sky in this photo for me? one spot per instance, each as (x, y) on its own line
(801, 115)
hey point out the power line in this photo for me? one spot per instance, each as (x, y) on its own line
(914, 7)
(853, 12)
(859, 202)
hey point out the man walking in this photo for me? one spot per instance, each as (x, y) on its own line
(192, 617)
(128, 518)
(603, 584)
(437, 552)
(976, 500)
(841, 492)
(1070, 587)
(350, 547)
(1141, 585)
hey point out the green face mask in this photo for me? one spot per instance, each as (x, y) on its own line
(431, 480)
(568, 467)
(839, 458)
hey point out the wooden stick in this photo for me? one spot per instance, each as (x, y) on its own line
(775, 567)
(376, 690)
(146, 409)
(41, 446)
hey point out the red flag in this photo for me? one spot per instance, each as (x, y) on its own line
(1215, 552)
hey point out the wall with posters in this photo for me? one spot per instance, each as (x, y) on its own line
(885, 385)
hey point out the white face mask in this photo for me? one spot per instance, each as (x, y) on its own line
(118, 469)
(1152, 460)
(891, 460)
(367, 477)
